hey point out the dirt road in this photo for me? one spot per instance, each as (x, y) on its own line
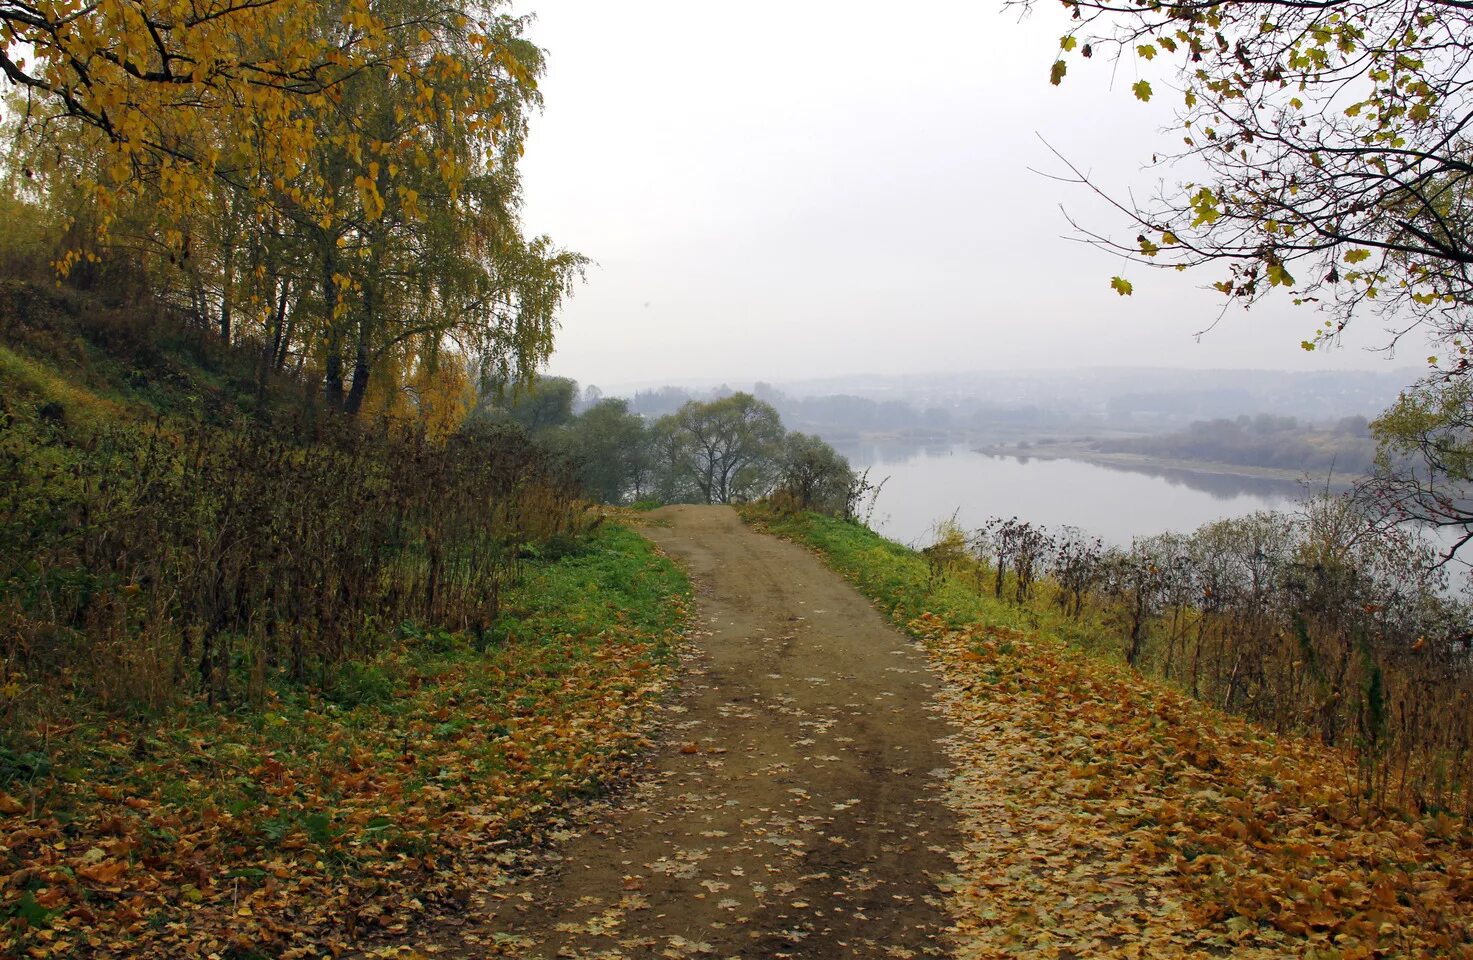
(793, 806)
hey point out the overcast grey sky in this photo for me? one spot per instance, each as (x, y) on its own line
(778, 190)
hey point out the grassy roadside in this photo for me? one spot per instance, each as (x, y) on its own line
(900, 580)
(324, 816)
(1109, 815)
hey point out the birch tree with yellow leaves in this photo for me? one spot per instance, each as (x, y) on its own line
(335, 182)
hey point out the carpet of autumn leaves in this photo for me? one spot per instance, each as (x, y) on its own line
(1107, 815)
(321, 820)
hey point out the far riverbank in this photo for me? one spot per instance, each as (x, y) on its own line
(1066, 450)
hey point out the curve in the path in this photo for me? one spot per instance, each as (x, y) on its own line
(794, 806)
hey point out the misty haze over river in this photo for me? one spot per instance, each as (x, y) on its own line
(926, 484)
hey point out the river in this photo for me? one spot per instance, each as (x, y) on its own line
(926, 484)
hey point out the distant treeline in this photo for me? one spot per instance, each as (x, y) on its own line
(1345, 447)
(1263, 440)
(728, 449)
(842, 414)
(1142, 397)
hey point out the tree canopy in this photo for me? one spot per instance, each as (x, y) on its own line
(337, 181)
(1325, 149)
(731, 446)
(609, 445)
(1424, 470)
(815, 475)
(534, 406)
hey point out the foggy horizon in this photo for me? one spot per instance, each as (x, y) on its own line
(1400, 372)
(794, 194)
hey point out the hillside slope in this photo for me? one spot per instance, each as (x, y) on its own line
(90, 360)
(1107, 815)
(246, 707)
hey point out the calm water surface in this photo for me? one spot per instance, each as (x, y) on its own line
(1113, 503)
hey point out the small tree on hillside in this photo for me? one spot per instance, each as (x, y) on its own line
(814, 474)
(536, 406)
(733, 445)
(1424, 472)
(669, 469)
(611, 449)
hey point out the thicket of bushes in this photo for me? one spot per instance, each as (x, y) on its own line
(1312, 622)
(159, 539)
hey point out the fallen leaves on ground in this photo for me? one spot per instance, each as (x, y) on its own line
(794, 808)
(1108, 816)
(294, 829)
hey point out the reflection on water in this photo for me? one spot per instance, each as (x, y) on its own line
(1115, 502)
(1222, 486)
(877, 453)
